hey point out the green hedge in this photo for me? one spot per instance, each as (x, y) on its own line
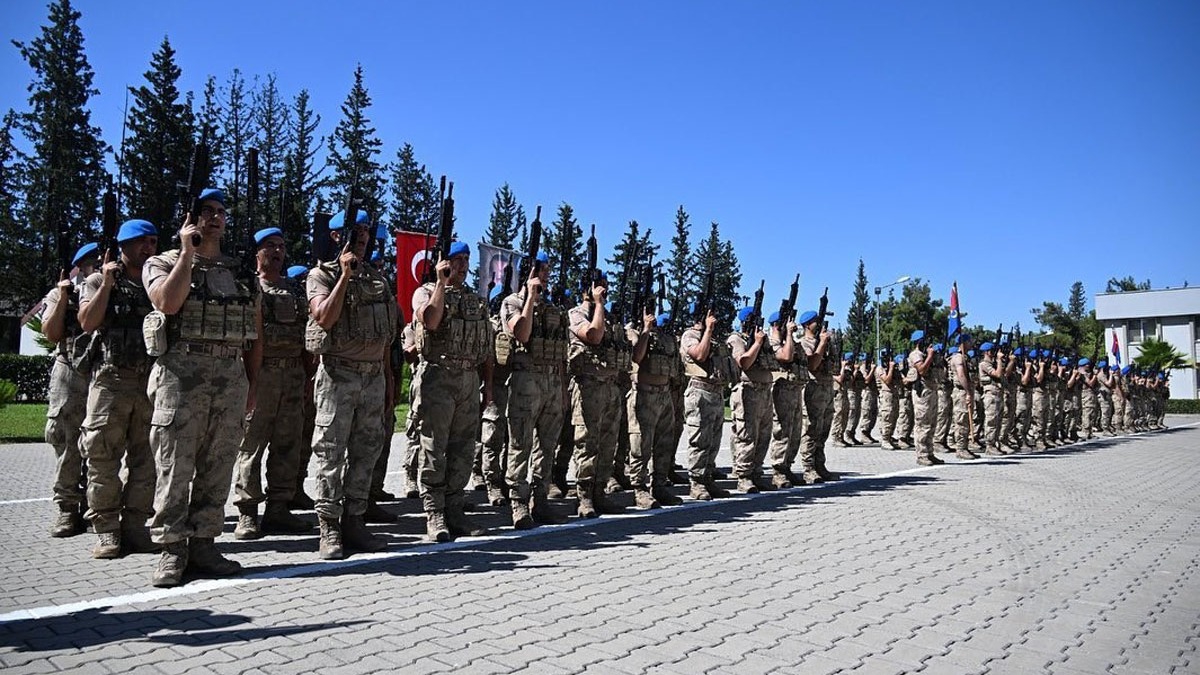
(1183, 406)
(31, 374)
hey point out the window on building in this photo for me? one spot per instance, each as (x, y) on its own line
(1140, 329)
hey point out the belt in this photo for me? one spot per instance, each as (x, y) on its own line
(208, 349)
(546, 368)
(282, 362)
(364, 367)
(596, 377)
(456, 363)
(653, 387)
(717, 387)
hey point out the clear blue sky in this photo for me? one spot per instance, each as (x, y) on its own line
(1014, 147)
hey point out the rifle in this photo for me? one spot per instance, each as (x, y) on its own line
(704, 306)
(589, 279)
(108, 223)
(621, 306)
(198, 175)
(530, 264)
(787, 308)
(494, 305)
(446, 228)
(999, 335)
(661, 295)
(823, 311)
(756, 319)
(249, 252)
(350, 219)
(645, 300)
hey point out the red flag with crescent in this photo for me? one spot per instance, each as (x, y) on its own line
(414, 255)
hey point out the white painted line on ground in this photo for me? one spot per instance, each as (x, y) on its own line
(323, 567)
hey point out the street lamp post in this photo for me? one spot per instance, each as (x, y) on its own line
(878, 290)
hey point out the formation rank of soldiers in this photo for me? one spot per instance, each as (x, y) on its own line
(194, 368)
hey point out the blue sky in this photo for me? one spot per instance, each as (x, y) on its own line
(1014, 147)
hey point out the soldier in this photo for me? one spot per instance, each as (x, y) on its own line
(945, 409)
(598, 352)
(922, 377)
(854, 394)
(278, 416)
(651, 413)
(889, 401)
(1011, 387)
(1104, 391)
(904, 420)
(750, 401)
(412, 429)
(818, 399)
(376, 513)
(964, 399)
(208, 321)
(491, 457)
(457, 344)
(1120, 398)
(868, 398)
(842, 383)
(708, 367)
(1089, 405)
(113, 303)
(992, 368)
(68, 393)
(300, 500)
(351, 324)
(535, 332)
(787, 401)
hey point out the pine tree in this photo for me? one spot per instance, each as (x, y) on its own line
(625, 271)
(209, 124)
(1077, 303)
(240, 133)
(680, 275)
(502, 227)
(19, 255)
(713, 254)
(353, 148)
(273, 120)
(860, 318)
(565, 234)
(413, 194)
(917, 309)
(301, 179)
(64, 171)
(158, 149)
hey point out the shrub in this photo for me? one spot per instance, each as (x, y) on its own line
(31, 375)
(1183, 406)
(8, 392)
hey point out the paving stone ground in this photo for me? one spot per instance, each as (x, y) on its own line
(1076, 560)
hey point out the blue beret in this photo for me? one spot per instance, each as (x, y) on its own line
(774, 318)
(542, 257)
(132, 229)
(862, 356)
(1018, 351)
(986, 347)
(338, 221)
(971, 353)
(848, 356)
(1085, 361)
(664, 318)
(745, 313)
(496, 291)
(296, 271)
(918, 335)
(1102, 363)
(899, 359)
(938, 347)
(1115, 368)
(953, 350)
(1126, 369)
(267, 232)
(84, 251)
(1162, 376)
(1046, 353)
(459, 248)
(212, 194)
(381, 232)
(807, 317)
(1064, 361)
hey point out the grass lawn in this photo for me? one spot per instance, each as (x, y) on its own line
(23, 423)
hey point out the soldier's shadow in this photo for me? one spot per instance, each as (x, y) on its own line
(191, 627)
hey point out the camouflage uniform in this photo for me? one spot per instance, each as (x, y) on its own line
(278, 416)
(963, 410)
(491, 458)
(535, 405)
(68, 394)
(412, 429)
(868, 400)
(704, 405)
(993, 401)
(651, 413)
(787, 399)
(889, 405)
(1104, 391)
(198, 389)
(854, 408)
(840, 400)
(944, 413)
(1089, 403)
(925, 405)
(350, 387)
(448, 402)
(818, 406)
(595, 404)
(750, 402)
(1120, 397)
(118, 416)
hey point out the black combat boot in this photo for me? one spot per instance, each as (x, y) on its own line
(204, 558)
(540, 509)
(331, 539)
(357, 537)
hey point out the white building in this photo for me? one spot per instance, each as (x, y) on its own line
(1170, 315)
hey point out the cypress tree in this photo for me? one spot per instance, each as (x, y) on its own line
(565, 276)
(860, 318)
(353, 148)
(273, 120)
(240, 134)
(301, 179)
(502, 225)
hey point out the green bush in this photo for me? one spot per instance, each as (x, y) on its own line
(31, 374)
(1183, 406)
(8, 392)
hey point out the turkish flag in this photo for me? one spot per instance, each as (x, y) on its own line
(414, 255)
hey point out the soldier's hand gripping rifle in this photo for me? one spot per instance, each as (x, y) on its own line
(787, 308)
(350, 222)
(756, 319)
(198, 175)
(661, 295)
(108, 225)
(704, 305)
(630, 285)
(446, 227)
(530, 265)
(589, 278)
(823, 311)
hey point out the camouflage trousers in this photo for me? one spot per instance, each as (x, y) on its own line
(651, 421)
(703, 421)
(818, 406)
(1089, 412)
(853, 411)
(889, 414)
(925, 414)
(309, 424)
(1106, 410)
(963, 421)
(904, 419)
(412, 427)
(787, 423)
(751, 407)
(1039, 416)
(993, 422)
(67, 407)
(379, 471)
(277, 421)
(535, 419)
(677, 407)
(199, 412)
(118, 427)
(491, 457)
(1008, 411)
(943, 416)
(448, 417)
(1120, 413)
(596, 416)
(868, 410)
(347, 436)
(841, 412)
(1073, 414)
(621, 457)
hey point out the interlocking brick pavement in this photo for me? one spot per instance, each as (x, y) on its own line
(1077, 560)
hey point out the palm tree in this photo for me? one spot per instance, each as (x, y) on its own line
(1161, 356)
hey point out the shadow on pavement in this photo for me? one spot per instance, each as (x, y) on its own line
(193, 627)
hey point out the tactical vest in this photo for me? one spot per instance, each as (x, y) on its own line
(76, 346)
(986, 367)
(765, 364)
(547, 345)
(120, 337)
(662, 356)
(464, 335)
(368, 313)
(219, 307)
(613, 355)
(718, 367)
(824, 372)
(929, 380)
(285, 315)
